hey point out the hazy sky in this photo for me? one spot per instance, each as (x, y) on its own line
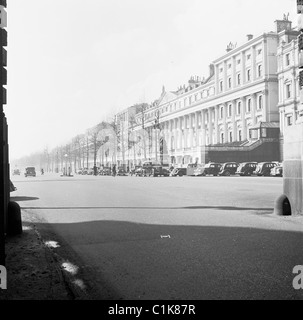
(72, 63)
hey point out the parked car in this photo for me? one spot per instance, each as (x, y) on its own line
(138, 171)
(121, 172)
(79, 171)
(90, 171)
(155, 169)
(212, 168)
(84, 171)
(246, 168)
(30, 171)
(178, 172)
(106, 171)
(263, 168)
(191, 168)
(277, 171)
(228, 169)
(16, 172)
(199, 171)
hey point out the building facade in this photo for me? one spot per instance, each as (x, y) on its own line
(236, 110)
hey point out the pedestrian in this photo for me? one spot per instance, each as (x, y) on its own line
(114, 170)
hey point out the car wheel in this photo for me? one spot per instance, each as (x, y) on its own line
(227, 173)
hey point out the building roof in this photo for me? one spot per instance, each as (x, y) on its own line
(266, 125)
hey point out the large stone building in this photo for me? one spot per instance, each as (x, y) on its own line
(233, 115)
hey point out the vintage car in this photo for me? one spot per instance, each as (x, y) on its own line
(263, 168)
(154, 169)
(106, 171)
(16, 172)
(191, 168)
(199, 171)
(212, 168)
(277, 171)
(136, 171)
(228, 169)
(178, 172)
(246, 168)
(30, 172)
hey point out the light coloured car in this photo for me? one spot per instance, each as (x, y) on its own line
(277, 171)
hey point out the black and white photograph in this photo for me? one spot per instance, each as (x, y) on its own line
(152, 153)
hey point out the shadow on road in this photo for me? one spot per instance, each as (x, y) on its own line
(127, 260)
(229, 208)
(23, 198)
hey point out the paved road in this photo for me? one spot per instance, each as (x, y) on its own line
(169, 238)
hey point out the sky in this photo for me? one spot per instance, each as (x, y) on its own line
(73, 64)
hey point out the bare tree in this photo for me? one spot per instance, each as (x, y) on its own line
(96, 141)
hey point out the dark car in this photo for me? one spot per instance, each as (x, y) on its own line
(154, 169)
(178, 172)
(228, 169)
(121, 172)
(16, 172)
(30, 172)
(246, 168)
(212, 168)
(263, 168)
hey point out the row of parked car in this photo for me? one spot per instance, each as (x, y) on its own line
(233, 168)
(150, 168)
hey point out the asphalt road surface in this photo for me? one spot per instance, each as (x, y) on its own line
(171, 238)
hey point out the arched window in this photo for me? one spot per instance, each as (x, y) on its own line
(248, 105)
(239, 108)
(229, 110)
(248, 75)
(260, 70)
(260, 102)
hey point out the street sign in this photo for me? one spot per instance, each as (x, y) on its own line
(3, 17)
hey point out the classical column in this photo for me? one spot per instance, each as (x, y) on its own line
(191, 130)
(202, 128)
(180, 133)
(234, 73)
(210, 125)
(225, 122)
(217, 137)
(197, 128)
(253, 108)
(243, 61)
(224, 76)
(243, 120)
(233, 119)
(253, 63)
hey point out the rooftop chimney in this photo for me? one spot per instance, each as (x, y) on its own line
(249, 37)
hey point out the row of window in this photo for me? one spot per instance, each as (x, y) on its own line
(238, 77)
(229, 108)
(248, 58)
(239, 107)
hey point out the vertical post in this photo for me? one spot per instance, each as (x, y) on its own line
(3, 135)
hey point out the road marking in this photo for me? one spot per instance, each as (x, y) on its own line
(168, 236)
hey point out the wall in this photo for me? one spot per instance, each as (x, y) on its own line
(293, 167)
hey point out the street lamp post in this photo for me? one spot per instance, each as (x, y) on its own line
(65, 171)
